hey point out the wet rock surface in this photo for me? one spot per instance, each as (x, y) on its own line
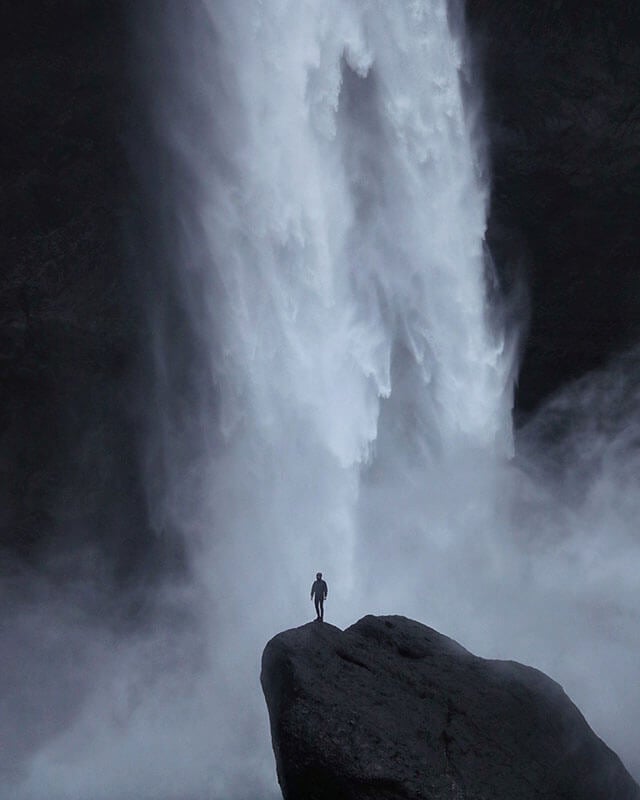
(74, 352)
(561, 91)
(391, 709)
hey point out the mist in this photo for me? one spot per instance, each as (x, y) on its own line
(332, 390)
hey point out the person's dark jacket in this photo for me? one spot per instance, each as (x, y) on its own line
(319, 589)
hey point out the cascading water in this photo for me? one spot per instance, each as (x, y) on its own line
(352, 405)
(335, 219)
(340, 223)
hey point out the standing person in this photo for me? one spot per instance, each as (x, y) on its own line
(319, 592)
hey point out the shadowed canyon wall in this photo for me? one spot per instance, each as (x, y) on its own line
(561, 95)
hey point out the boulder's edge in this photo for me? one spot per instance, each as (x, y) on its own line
(392, 709)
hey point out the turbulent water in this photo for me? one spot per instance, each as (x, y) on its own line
(335, 218)
(339, 224)
(351, 412)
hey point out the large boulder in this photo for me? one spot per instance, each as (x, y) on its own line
(390, 708)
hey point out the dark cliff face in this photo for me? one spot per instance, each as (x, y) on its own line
(70, 320)
(391, 709)
(562, 90)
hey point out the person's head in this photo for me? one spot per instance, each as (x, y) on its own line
(318, 575)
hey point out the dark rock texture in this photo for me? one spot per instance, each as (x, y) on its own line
(71, 320)
(392, 709)
(561, 82)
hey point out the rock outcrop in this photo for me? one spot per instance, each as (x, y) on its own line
(391, 709)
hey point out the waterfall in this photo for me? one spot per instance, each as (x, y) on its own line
(332, 393)
(333, 387)
(333, 223)
(335, 218)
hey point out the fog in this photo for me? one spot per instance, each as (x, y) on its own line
(323, 199)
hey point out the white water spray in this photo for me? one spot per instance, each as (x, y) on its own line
(340, 220)
(330, 255)
(336, 220)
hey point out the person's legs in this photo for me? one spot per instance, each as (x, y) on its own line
(321, 603)
(317, 601)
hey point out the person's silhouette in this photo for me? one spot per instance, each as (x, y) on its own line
(319, 592)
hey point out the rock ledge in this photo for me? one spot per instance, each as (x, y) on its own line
(390, 708)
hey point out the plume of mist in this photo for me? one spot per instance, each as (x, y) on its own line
(346, 409)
